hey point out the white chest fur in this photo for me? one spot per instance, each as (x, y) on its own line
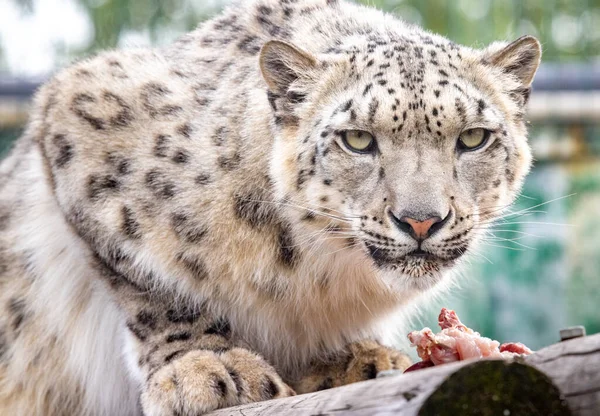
(72, 306)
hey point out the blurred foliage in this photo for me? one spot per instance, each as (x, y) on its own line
(7, 137)
(568, 29)
(162, 20)
(112, 17)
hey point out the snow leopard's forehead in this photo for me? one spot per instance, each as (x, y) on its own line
(409, 86)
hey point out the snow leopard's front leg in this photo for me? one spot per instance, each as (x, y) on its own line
(359, 361)
(188, 361)
(201, 380)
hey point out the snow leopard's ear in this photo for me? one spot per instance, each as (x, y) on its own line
(281, 64)
(520, 58)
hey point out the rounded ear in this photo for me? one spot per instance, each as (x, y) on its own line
(281, 64)
(520, 58)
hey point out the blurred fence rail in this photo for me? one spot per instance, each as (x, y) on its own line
(568, 92)
(15, 97)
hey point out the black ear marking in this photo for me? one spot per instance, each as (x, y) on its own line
(281, 64)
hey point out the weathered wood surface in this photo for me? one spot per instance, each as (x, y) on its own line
(385, 396)
(573, 366)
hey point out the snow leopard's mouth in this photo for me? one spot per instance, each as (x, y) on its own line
(385, 256)
(419, 253)
(415, 262)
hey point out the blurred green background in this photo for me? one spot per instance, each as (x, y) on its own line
(541, 271)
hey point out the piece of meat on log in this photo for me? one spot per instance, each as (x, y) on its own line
(456, 342)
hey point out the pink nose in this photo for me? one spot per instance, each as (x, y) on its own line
(421, 228)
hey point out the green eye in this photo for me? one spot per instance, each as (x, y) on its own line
(473, 139)
(358, 141)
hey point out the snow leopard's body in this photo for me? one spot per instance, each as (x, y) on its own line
(171, 216)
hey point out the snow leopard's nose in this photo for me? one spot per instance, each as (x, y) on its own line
(419, 227)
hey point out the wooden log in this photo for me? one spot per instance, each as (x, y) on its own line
(574, 366)
(489, 388)
(562, 379)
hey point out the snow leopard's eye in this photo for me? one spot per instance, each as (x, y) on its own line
(473, 139)
(358, 141)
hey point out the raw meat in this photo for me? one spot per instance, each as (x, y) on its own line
(457, 342)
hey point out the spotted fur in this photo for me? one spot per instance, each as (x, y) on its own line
(184, 229)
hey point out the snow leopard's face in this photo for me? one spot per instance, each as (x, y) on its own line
(408, 147)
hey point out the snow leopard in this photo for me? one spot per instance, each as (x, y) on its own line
(242, 215)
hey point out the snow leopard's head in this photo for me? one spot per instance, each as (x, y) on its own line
(404, 147)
